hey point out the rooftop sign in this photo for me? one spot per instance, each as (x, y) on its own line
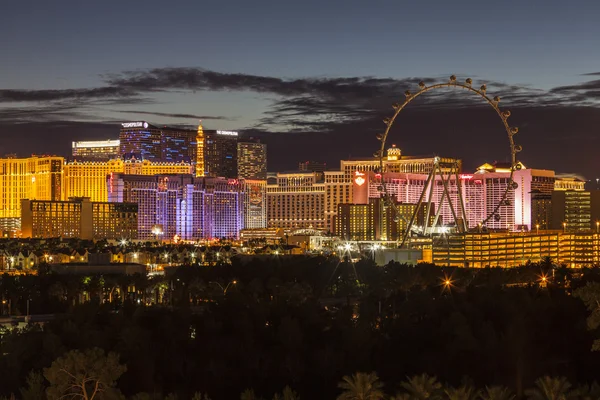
(134, 124)
(227, 133)
(99, 143)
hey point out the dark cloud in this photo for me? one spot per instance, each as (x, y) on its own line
(588, 92)
(19, 95)
(332, 118)
(172, 115)
(160, 79)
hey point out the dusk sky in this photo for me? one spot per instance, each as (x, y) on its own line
(312, 78)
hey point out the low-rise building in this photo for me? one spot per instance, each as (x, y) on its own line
(78, 218)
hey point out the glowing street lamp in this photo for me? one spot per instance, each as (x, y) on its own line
(123, 242)
(447, 283)
(537, 228)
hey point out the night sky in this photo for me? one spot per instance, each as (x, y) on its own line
(314, 79)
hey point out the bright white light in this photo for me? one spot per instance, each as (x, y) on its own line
(347, 246)
(134, 255)
(123, 242)
(98, 143)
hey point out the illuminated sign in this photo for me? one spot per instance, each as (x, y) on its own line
(98, 143)
(134, 124)
(359, 180)
(227, 133)
(465, 176)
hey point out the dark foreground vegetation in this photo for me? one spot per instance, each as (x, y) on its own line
(294, 328)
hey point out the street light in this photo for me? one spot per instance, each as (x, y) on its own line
(564, 227)
(537, 228)
(597, 226)
(447, 283)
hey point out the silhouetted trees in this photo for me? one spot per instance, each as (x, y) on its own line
(307, 323)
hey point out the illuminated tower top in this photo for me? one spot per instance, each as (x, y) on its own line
(200, 150)
(394, 153)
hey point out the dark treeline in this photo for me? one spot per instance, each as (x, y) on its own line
(306, 323)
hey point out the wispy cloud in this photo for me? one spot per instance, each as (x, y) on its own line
(21, 95)
(172, 115)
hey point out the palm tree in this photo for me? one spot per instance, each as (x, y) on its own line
(287, 394)
(423, 387)
(497, 393)
(548, 388)
(249, 394)
(361, 386)
(401, 396)
(587, 392)
(465, 392)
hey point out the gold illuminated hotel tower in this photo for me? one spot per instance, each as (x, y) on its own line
(88, 178)
(20, 178)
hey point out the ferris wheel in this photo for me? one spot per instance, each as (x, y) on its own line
(443, 173)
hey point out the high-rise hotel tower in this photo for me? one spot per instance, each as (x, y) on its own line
(37, 178)
(154, 143)
(252, 159)
(216, 153)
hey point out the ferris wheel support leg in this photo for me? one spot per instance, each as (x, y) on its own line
(439, 210)
(460, 199)
(445, 182)
(428, 211)
(419, 203)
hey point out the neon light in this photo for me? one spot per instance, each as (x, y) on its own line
(358, 173)
(134, 124)
(99, 143)
(359, 180)
(227, 133)
(465, 176)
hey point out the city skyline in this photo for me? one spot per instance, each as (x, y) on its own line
(315, 74)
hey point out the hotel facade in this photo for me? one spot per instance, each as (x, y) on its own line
(181, 206)
(78, 218)
(88, 178)
(96, 150)
(22, 178)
